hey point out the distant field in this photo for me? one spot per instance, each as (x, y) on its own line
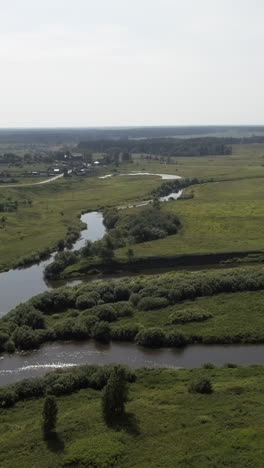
(165, 425)
(220, 217)
(55, 207)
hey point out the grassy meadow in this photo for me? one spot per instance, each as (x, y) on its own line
(165, 426)
(224, 216)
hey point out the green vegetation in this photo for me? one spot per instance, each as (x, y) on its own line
(171, 309)
(49, 413)
(162, 417)
(55, 209)
(211, 220)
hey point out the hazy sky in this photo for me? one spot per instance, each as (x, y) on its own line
(131, 62)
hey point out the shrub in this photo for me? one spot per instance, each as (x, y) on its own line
(208, 365)
(121, 293)
(64, 330)
(176, 339)
(134, 298)
(26, 314)
(152, 303)
(25, 338)
(185, 316)
(124, 309)
(53, 301)
(85, 301)
(3, 339)
(101, 331)
(201, 385)
(10, 346)
(153, 338)
(106, 313)
(231, 365)
(7, 397)
(108, 297)
(125, 333)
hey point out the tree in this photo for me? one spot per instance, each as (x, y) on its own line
(156, 203)
(130, 254)
(49, 415)
(87, 250)
(115, 394)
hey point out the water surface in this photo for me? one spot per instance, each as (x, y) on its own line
(67, 354)
(19, 285)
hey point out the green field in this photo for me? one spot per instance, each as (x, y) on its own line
(56, 206)
(165, 425)
(224, 216)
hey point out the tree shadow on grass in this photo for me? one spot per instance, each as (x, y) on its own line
(53, 442)
(127, 422)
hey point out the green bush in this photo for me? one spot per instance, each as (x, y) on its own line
(121, 293)
(124, 309)
(135, 298)
(208, 365)
(85, 301)
(176, 339)
(201, 385)
(152, 303)
(124, 333)
(25, 338)
(101, 331)
(186, 316)
(106, 313)
(153, 338)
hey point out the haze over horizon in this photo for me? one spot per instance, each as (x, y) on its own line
(118, 63)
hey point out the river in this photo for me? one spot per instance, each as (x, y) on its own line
(68, 354)
(19, 285)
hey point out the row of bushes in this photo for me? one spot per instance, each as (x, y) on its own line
(60, 382)
(174, 185)
(92, 306)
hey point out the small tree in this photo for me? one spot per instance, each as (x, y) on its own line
(156, 203)
(130, 254)
(115, 394)
(49, 415)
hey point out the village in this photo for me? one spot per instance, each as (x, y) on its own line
(72, 163)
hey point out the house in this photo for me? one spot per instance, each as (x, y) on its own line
(77, 156)
(96, 163)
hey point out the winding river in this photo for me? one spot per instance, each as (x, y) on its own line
(19, 285)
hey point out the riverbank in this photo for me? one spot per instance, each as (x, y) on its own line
(138, 265)
(162, 417)
(167, 310)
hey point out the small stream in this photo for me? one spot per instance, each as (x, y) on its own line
(19, 285)
(68, 354)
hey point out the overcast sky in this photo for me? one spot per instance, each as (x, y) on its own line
(131, 62)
